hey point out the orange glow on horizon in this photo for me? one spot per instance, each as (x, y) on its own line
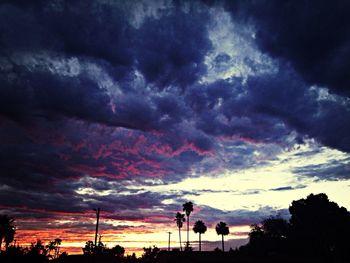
(133, 241)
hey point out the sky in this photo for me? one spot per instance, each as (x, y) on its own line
(137, 107)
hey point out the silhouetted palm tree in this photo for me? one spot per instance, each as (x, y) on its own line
(200, 227)
(188, 208)
(50, 247)
(222, 229)
(54, 245)
(9, 237)
(7, 229)
(57, 243)
(180, 218)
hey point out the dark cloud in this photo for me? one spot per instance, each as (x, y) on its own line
(225, 108)
(80, 28)
(314, 37)
(287, 98)
(50, 96)
(335, 170)
(268, 107)
(274, 102)
(100, 35)
(175, 62)
(287, 188)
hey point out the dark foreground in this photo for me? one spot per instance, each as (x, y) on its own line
(176, 257)
(219, 257)
(198, 257)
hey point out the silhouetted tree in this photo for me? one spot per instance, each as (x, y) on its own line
(118, 251)
(58, 242)
(89, 247)
(37, 248)
(200, 228)
(223, 230)
(7, 229)
(188, 209)
(256, 235)
(54, 245)
(217, 250)
(37, 252)
(319, 226)
(9, 237)
(50, 247)
(180, 219)
(270, 236)
(13, 254)
(100, 248)
(131, 259)
(63, 255)
(150, 254)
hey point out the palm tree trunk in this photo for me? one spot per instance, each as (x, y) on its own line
(180, 239)
(188, 226)
(222, 240)
(200, 242)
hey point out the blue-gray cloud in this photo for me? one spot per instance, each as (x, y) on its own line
(313, 37)
(334, 170)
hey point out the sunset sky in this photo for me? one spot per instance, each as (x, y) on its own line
(137, 107)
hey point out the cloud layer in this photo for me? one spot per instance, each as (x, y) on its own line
(101, 102)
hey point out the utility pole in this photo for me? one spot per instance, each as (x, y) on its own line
(169, 241)
(97, 220)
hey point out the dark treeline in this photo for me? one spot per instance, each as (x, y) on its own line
(318, 230)
(36, 252)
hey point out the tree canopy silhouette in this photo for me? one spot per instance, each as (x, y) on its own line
(89, 247)
(150, 254)
(55, 246)
(180, 219)
(118, 251)
(270, 236)
(223, 230)
(188, 209)
(37, 252)
(7, 230)
(200, 228)
(319, 226)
